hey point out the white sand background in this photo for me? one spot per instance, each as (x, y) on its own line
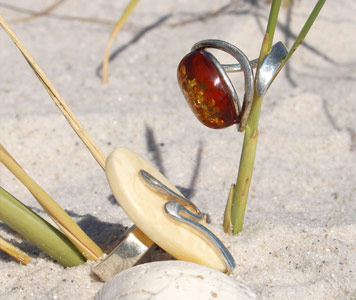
(299, 239)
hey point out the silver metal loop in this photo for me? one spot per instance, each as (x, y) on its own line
(164, 190)
(174, 210)
(233, 68)
(244, 65)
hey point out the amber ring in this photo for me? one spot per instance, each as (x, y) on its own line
(208, 89)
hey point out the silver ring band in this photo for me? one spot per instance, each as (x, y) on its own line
(232, 68)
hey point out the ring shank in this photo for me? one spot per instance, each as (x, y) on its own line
(232, 68)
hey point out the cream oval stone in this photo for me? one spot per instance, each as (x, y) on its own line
(146, 209)
(173, 280)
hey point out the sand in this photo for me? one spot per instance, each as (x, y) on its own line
(299, 239)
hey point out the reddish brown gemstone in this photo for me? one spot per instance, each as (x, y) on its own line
(206, 91)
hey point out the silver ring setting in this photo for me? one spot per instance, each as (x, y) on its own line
(213, 108)
(208, 89)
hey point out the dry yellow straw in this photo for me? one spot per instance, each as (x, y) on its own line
(14, 252)
(114, 32)
(77, 236)
(68, 114)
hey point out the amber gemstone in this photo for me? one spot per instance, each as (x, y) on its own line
(206, 91)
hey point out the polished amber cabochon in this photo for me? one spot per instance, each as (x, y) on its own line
(206, 91)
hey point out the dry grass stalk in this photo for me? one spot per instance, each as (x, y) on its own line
(14, 252)
(77, 236)
(38, 14)
(55, 16)
(113, 34)
(68, 114)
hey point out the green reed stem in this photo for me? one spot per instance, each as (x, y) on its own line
(35, 229)
(239, 193)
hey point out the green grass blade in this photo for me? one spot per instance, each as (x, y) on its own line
(32, 227)
(308, 24)
(272, 21)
